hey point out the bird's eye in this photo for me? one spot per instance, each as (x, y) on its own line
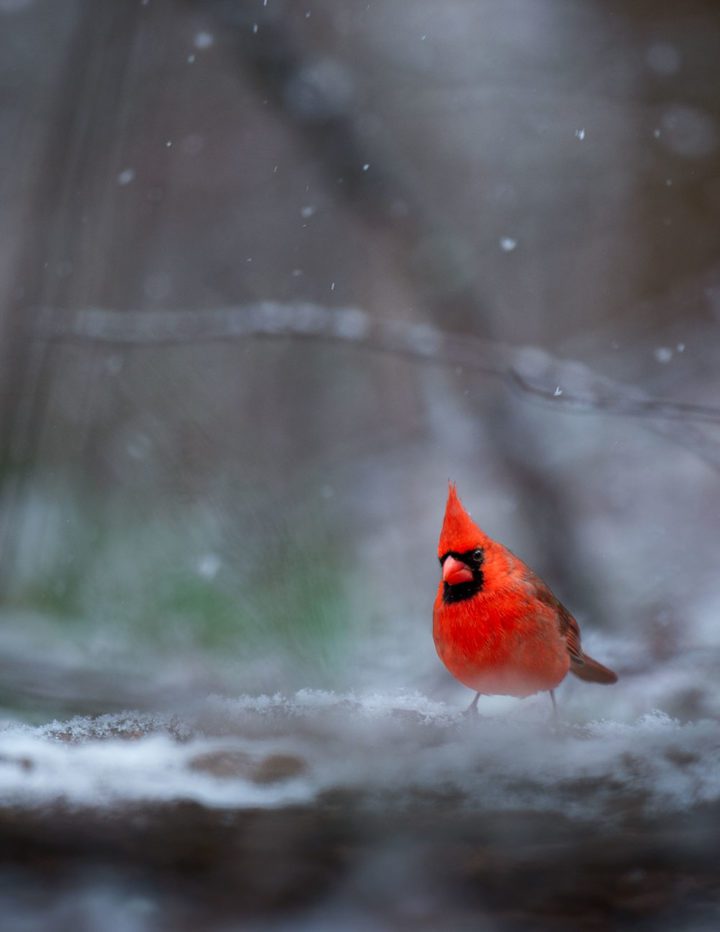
(478, 555)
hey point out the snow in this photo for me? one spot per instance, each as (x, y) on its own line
(203, 40)
(350, 322)
(276, 750)
(689, 131)
(126, 176)
(208, 565)
(663, 354)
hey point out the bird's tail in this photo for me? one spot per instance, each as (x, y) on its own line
(592, 672)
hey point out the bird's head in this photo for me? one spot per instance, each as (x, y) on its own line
(462, 550)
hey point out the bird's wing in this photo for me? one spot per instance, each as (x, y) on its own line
(569, 628)
(581, 664)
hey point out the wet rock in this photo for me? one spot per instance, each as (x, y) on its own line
(277, 767)
(230, 764)
(227, 764)
(24, 763)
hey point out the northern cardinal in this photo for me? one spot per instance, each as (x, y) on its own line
(496, 625)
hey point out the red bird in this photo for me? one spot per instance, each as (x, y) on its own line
(496, 625)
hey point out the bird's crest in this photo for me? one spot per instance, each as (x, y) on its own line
(459, 532)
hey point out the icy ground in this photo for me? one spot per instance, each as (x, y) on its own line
(270, 751)
(374, 809)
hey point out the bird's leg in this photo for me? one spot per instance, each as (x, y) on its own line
(473, 705)
(555, 712)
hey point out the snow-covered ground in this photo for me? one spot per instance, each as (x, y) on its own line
(269, 751)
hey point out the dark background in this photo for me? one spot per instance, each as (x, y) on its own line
(272, 272)
(531, 173)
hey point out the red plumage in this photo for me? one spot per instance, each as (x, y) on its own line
(497, 627)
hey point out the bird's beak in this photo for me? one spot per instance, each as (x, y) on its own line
(455, 572)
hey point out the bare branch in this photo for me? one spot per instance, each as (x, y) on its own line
(565, 383)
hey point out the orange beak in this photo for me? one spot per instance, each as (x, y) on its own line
(455, 572)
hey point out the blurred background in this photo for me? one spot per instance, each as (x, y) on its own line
(271, 273)
(191, 505)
